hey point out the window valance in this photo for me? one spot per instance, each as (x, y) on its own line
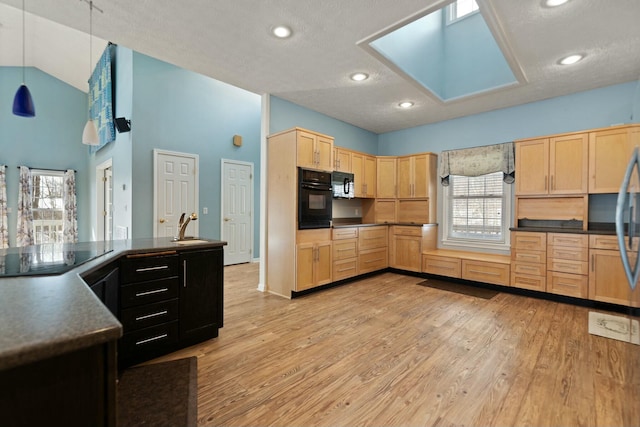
(479, 161)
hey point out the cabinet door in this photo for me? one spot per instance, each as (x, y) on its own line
(342, 160)
(609, 151)
(323, 263)
(357, 168)
(370, 172)
(324, 153)
(607, 280)
(568, 164)
(532, 166)
(306, 148)
(305, 255)
(406, 253)
(421, 174)
(201, 294)
(386, 177)
(404, 177)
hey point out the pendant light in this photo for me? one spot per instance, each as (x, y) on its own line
(90, 133)
(22, 102)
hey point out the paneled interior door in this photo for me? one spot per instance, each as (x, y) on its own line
(175, 192)
(236, 211)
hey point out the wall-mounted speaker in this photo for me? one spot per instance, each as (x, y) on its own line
(237, 140)
(122, 124)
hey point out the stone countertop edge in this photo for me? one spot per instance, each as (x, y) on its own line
(384, 223)
(46, 316)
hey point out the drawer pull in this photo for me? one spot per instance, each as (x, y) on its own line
(441, 267)
(340, 270)
(488, 273)
(527, 281)
(160, 267)
(159, 337)
(149, 316)
(523, 267)
(373, 260)
(155, 291)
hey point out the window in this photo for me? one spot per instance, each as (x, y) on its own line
(459, 9)
(47, 206)
(477, 211)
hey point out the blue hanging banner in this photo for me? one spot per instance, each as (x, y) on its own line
(101, 99)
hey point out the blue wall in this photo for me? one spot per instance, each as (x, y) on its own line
(285, 115)
(178, 110)
(51, 139)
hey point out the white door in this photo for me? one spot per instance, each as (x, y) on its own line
(175, 192)
(236, 211)
(108, 204)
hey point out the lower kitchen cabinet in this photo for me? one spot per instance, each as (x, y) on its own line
(313, 265)
(345, 257)
(201, 295)
(405, 248)
(607, 279)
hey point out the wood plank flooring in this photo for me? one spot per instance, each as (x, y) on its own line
(385, 352)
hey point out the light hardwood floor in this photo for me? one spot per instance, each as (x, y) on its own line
(386, 352)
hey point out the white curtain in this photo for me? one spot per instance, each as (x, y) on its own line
(70, 226)
(4, 231)
(24, 235)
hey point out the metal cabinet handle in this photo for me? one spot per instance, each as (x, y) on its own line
(155, 291)
(142, 270)
(184, 273)
(159, 337)
(149, 316)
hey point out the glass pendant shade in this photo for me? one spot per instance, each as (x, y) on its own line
(23, 103)
(90, 134)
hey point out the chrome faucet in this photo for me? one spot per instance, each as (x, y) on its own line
(182, 225)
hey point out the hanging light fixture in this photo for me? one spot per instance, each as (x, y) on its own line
(22, 102)
(90, 133)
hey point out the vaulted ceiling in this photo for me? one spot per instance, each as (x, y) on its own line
(230, 40)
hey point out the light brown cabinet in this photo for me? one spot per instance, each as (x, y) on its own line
(345, 253)
(609, 152)
(385, 211)
(416, 176)
(313, 265)
(528, 260)
(567, 264)
(314, 151)
(405, 248)
(363, 167)
(372, 248)
(386, 177)
(607, 279)
(556, 165)
(342, 159)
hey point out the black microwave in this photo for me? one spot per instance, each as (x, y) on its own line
(342, 183)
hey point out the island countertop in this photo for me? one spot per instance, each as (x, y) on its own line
(48, 315)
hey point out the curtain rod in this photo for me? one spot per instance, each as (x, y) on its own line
(50, 170)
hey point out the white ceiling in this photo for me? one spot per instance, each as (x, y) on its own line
(230, 41)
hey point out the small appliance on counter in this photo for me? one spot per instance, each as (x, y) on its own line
(342, 183)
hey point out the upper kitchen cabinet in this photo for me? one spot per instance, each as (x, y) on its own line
(363, 167)
(417, 176)
(314, 150)
(342, 160)
(556, 165)
(386, 179)
(609, 151)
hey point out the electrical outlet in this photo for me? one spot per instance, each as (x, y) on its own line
(205, 211)
(357, 211)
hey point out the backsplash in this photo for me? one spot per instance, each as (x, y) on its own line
(347, 208)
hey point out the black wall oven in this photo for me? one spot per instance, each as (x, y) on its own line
(314, 199)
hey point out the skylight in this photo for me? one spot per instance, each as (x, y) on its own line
(448, 62)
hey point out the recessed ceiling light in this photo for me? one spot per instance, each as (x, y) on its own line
(358, 77)
(554, 3)
(571, 59)
(281, 31)
(406, 104)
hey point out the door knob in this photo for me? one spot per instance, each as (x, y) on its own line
(228, 219)
(162, 220)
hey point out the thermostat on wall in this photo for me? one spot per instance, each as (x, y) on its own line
(237, 140)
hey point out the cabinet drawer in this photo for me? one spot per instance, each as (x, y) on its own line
(599, 241)
(399, 230)
(443, 266)
(372, 260)
(527, 281)
(372, 237)
(488, 272)
(530, 269)
(572, 285)
(568, 266)
(148, 292)
(138, 268)
(562, 252)
(566, 239)
(343, 249)
(149, 315)
(137, 343)
(345, 268)
(345, 233)
(529, 240)
(539, 257)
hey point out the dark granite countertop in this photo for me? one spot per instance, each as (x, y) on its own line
(343, 225)
(44, 316)
(601, 228)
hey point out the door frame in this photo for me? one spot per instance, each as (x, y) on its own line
(100, 207)
(196, 197)
(239, 162)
